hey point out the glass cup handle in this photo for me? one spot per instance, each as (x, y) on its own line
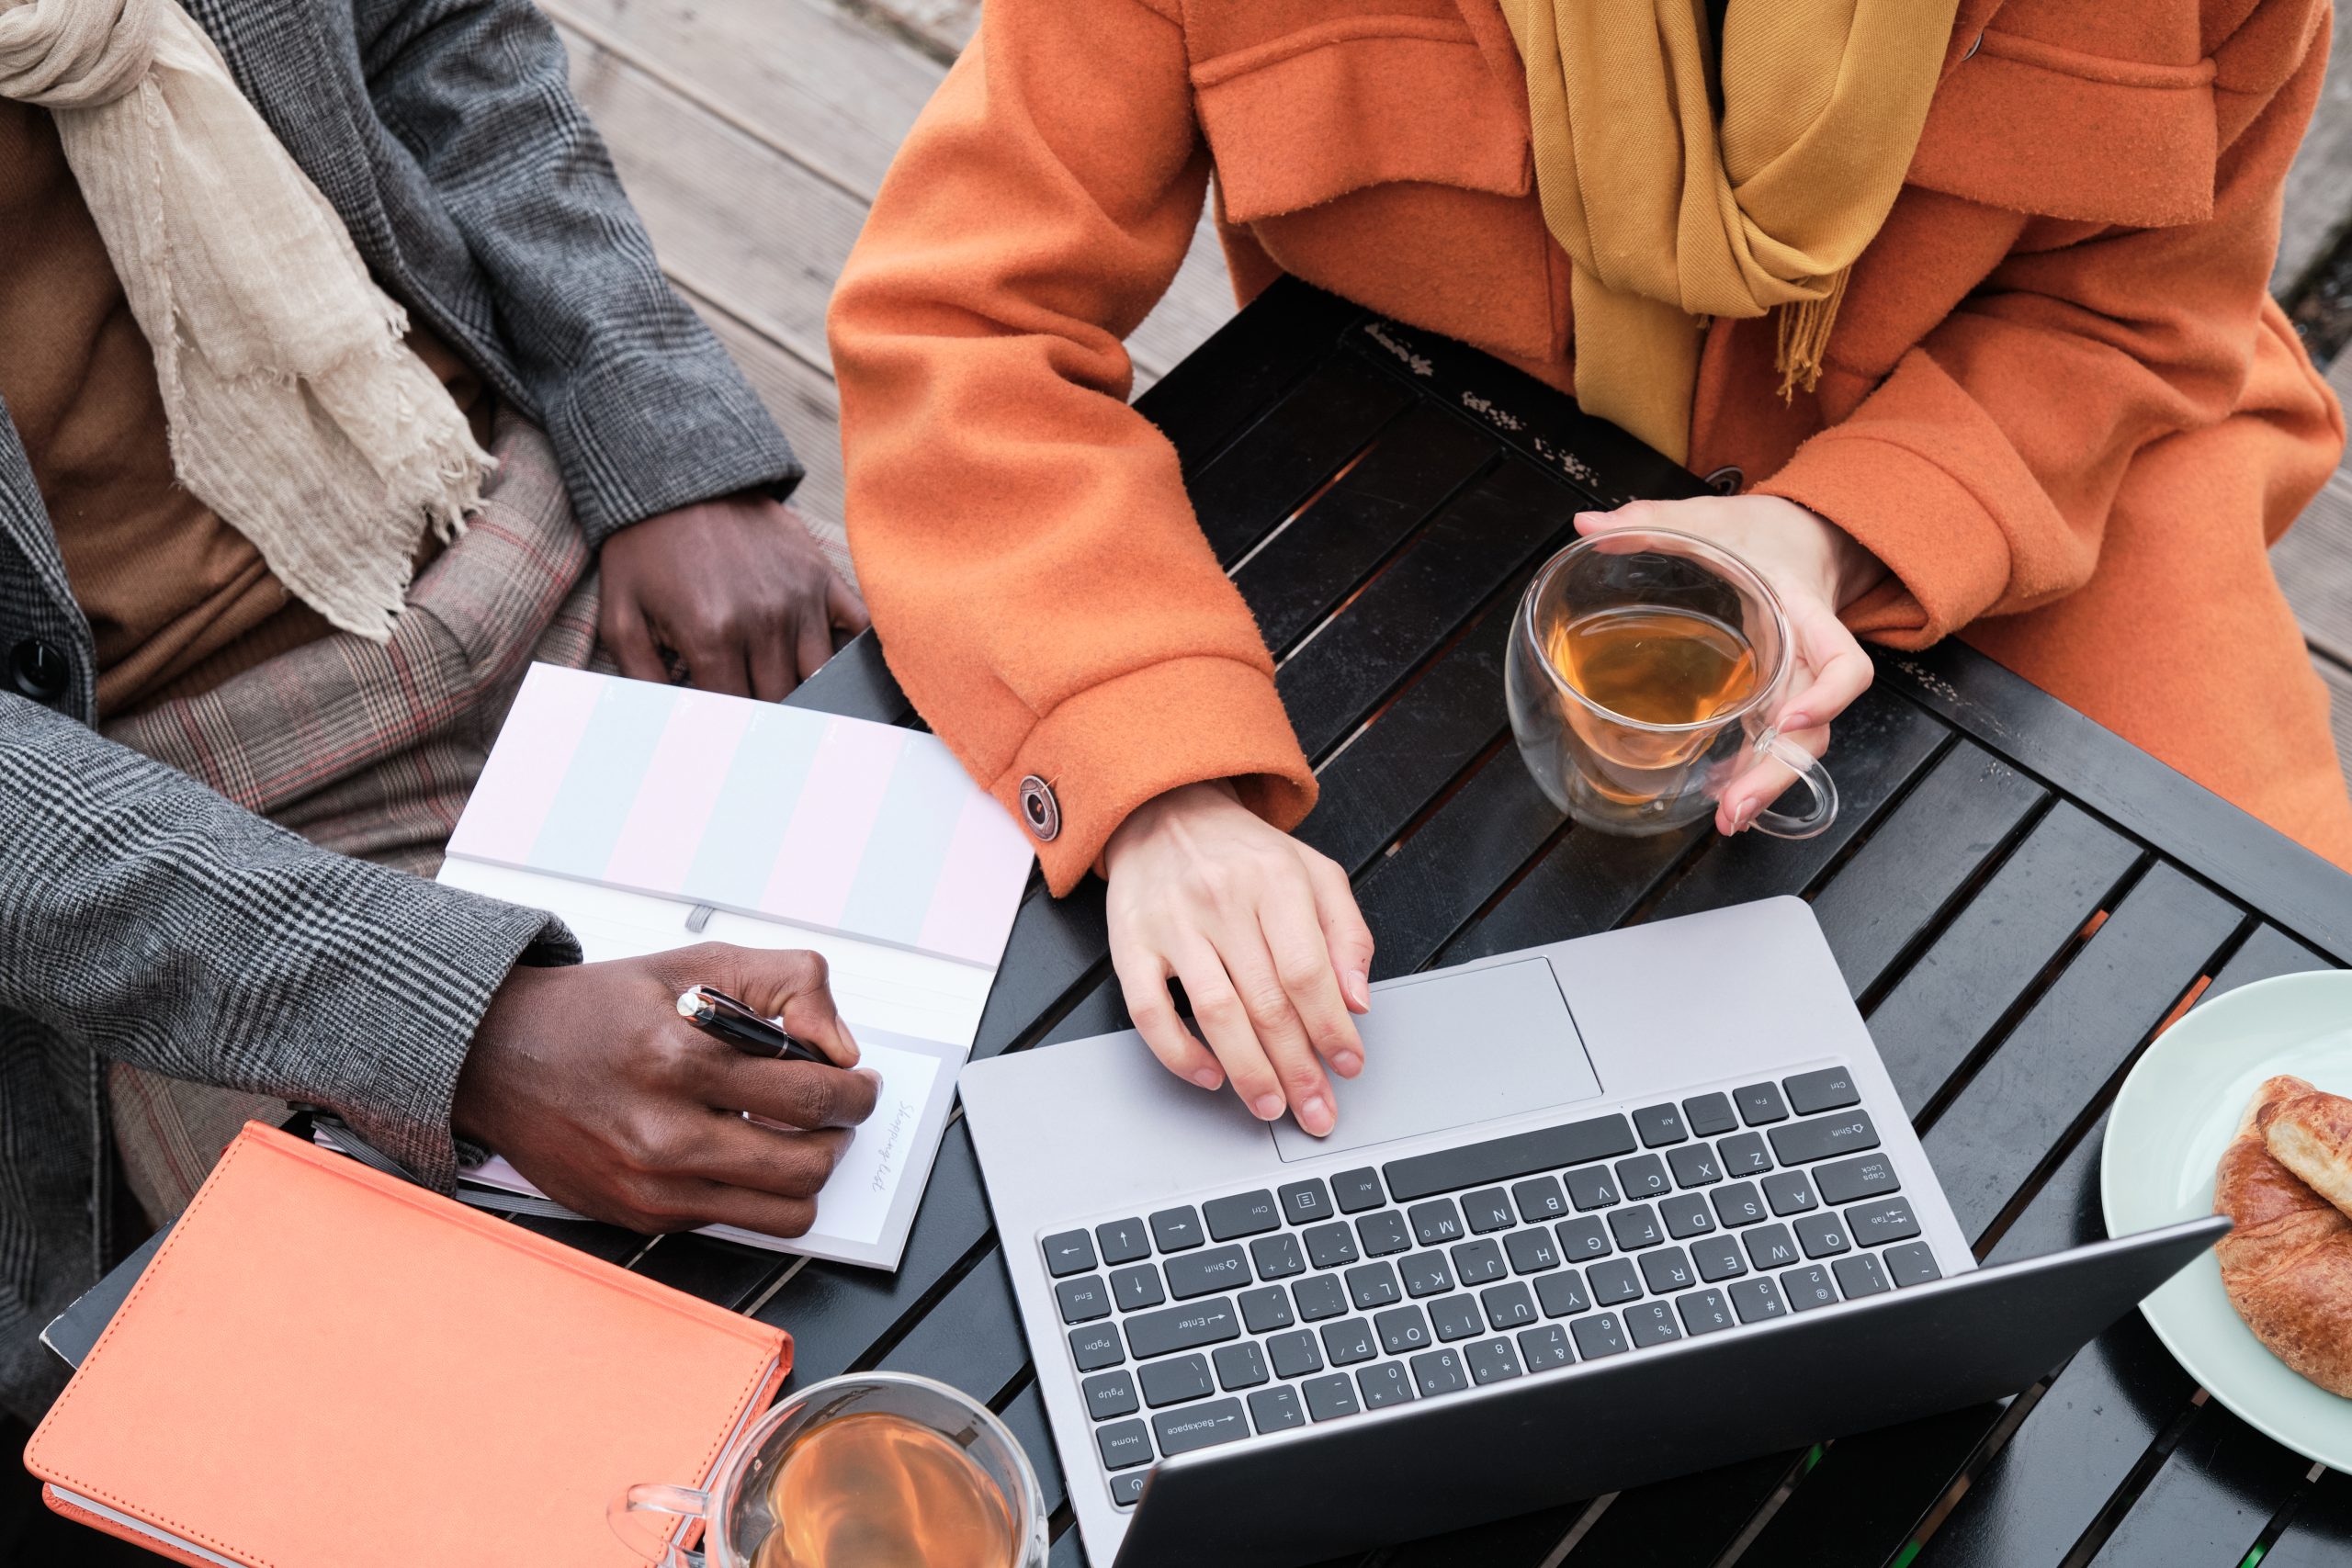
(658, 1551)
(1812, 776)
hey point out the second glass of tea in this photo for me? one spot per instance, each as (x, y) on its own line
(1645, 667)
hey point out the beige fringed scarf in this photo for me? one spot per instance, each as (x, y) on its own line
(297, 412)
(1671, 216)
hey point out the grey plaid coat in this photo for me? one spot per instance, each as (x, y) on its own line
(143, 916)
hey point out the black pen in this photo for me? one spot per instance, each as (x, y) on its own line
(717, 1013)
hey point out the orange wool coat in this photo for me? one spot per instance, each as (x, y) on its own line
(2059, 403)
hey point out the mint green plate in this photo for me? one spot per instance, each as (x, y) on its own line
(2177, 1110)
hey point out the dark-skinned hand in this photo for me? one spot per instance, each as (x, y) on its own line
(589, 1081)
(735, 589)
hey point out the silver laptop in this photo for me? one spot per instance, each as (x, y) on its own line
(1595, 1214)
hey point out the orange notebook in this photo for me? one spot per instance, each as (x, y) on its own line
(328, 1368)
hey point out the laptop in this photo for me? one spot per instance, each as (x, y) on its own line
(1595, 1214)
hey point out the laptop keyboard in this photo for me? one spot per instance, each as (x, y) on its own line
(1261, 1311)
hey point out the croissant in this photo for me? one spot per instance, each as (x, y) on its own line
(2288, 1265)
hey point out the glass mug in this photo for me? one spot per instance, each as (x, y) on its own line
(880, 1470)
(1645, 666)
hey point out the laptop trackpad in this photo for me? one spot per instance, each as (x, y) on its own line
(1453, 1050)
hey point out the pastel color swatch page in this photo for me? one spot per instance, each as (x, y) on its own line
(832, 823)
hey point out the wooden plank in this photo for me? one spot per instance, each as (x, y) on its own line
(2208, 1500)
(1587, 882)
(1292, 451)
(1227, 382)
(856, 681)
(2014, 1113)
(971, 1340)
(1916, 862)
(2315, 208)
(1683, 1523)
(1025, 1417)
(1949, 1000)
(1420, 895)
(2268, 952)
(2319, 1535)
(725, 1272)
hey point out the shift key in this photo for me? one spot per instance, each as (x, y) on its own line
(1182, 1327)
(1847, 1132)
(1194, 1274)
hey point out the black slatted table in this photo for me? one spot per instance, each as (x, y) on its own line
(2018, 898)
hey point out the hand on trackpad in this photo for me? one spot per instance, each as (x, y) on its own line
(1453, 1050)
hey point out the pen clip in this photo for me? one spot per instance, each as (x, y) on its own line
(700, 1004)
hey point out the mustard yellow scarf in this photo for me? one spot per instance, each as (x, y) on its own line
(1673, 214)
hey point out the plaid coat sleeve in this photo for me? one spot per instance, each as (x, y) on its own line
(154, 921)
(644, 408)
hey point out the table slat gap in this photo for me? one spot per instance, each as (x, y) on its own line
(1955, 906)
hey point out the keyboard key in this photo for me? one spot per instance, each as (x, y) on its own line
(1761, 1103)
(1402, 1330)
(1331, 1245)
(1695, 1165)
(1175, 1380)
(1250, 1214)
(1426, 1274)
(1717, 1258)
(1912, 1265)
(1067, 1253)
(1771, 1246)
(1651, 1322)
(1109, 1395)
(1889, 1219)
(1829, 1088)
(1265, 1309)
(1745, 1154)
(1382, 1233)
(1358, 1190)
(1276, 1409)
(1456, 1317)
(1294, 1354)
(1127, 1443)
(1598, 1335)
(1635, 1226)
(1181, 1431)
(1801, 1143)
(1083, 1301)
(1789, 1192)
(1137, 1288)
(1095, 1346)
(1659, 1125)
(1686, 1214)
(1703, 1311)
(1582, 1239)
(1508, 1158)
(1374, 1285)
(1540, 1199)
(1491, 1360)
(1385, 1384)
(1562, 1294)
(1755, 1300)
(1277, 1256)
(1328, 1397)
(1708, 1114)
(1531, 1251)
(1202, 1273)
(1508, 1306)
(1820, 1235)
(1808, 1288)
(1488, 1209)
(1859, 1276)
(1305, 1202)
(1239, 1366)
(1864, 1176)
(1439, 1372)
(1177, 1229)
(1123, 1241)
(1126, 1487)
(1644, 1175)
(1348, 1341)
(1667, 1269)
(1319, 1298)
(1186, 1327)
(1543, 1346)
(1590, 1189)
(1612, 1280)
(1476, 1263)
(1435, 1223)
(1739, 1204)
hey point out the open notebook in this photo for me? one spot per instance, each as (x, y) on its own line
(653, 817)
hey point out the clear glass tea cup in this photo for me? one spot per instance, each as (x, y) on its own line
(1624, 773)
(742, 1526)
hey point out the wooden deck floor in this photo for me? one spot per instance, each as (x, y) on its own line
(752, 134)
